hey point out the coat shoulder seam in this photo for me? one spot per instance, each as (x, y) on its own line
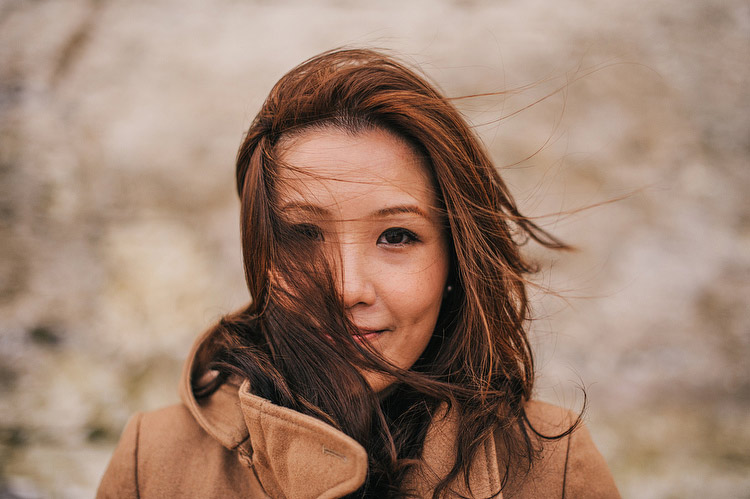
(139, 417)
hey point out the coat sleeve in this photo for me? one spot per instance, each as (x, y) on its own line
(586, 473)
(120, 479)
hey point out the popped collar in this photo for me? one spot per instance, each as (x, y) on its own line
(296, 455)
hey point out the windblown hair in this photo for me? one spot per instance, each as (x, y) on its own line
(294, 342)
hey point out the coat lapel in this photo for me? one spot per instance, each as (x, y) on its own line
(298, 456)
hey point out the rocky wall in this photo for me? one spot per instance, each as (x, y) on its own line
(119, 122)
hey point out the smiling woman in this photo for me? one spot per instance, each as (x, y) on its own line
(384, 351)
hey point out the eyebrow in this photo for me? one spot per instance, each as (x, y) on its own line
(396, 210)
(315, 210)
(382, 213)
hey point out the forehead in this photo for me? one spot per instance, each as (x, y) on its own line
(330, 166)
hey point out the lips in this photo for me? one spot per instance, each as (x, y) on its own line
(369, 334)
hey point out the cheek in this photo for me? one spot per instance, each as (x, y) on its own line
(416, 296)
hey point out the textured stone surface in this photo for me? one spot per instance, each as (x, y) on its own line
(119, 122)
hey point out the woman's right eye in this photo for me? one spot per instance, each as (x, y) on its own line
(309, 231)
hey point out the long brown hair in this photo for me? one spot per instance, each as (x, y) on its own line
(478, 361)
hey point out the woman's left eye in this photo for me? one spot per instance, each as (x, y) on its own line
(397, 237)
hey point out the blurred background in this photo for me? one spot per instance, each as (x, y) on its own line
(119, 123)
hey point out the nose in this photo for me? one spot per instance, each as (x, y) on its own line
(355, 276)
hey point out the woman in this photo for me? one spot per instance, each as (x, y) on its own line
(384, 353)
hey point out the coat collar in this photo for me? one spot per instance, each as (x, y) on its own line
(220, 415)
(295, 455)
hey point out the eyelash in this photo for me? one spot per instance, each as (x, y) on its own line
(405, 236)
(309, 231)
(409, 236)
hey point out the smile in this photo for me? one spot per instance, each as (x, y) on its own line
(368, 334)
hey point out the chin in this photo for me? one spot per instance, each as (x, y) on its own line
(379, 382)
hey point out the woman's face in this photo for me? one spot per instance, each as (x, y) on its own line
(368, 199)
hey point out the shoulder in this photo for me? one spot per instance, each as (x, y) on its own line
(548, 419)
(162, 452)
(147, 437)
(169, 429)
(568, 466)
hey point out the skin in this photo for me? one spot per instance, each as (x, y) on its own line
(367, 197)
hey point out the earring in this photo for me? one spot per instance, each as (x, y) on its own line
(448, 288)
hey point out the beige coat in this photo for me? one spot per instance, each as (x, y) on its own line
(236, 444)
